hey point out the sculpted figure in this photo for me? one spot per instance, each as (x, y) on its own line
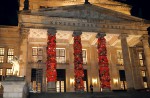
(15, 67)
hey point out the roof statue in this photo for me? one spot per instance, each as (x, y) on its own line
(26, 5)
(86, 2)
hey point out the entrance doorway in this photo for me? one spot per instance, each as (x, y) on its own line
(36, 79)
(85, 81)
(122, 79)
(61, 80)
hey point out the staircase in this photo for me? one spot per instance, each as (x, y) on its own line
(135, 94)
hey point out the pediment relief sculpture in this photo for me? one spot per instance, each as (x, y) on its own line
(84, 12)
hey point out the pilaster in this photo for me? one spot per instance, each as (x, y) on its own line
(70, 71)
(94, 70)
(114, 73)
(24, 53)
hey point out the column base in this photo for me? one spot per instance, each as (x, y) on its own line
(106, 90)
(51, 87)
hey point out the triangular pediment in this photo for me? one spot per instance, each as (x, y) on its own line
(85, 12)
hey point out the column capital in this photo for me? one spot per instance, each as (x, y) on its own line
(77, 33)
(52, 31)
(144, 37)
(100, 35)
(24, 33)
(123, 35)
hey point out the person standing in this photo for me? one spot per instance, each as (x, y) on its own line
(91, 88)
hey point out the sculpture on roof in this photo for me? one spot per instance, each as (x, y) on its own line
(86, 2)
(26, 5)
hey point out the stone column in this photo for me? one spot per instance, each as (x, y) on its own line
(127, 63)
(146, 48)
(78, 62)
(24, 54)
(51, 61)
(137, 79)
(103, 62)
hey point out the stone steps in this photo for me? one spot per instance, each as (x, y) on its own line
(94, 95)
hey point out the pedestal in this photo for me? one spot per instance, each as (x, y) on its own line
(14, 87)
(51, 87)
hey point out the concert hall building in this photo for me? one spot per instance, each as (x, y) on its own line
(67, 45)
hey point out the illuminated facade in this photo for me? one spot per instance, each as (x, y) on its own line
(68, 47)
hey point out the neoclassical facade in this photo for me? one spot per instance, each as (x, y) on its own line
(68, 48)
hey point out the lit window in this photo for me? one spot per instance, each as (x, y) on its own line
(123, 85)
(8, 71)
(140, 55)
(119, 57)
(84, 55)
(34, 85)
(10, 55)
(141, 58)
(2, 55)
(37, 53)
(60, 55)
(145, 85)
(85, 86)
(60, 86)
(1, 71)
(143, 73)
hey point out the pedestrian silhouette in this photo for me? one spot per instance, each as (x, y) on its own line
(91, 88)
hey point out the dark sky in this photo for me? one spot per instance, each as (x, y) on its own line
(9, 9)
(8, 12)
(140, 8)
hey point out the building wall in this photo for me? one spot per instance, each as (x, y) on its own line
(10, 38)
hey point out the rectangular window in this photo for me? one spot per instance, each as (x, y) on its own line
(60, 55)
(10, 55)
(143, 73)
(1, 71)
(145, 85)
(2, 51)
(141, 58)
(37, 53)
(8, 72)
(119, 57)
(84, 55)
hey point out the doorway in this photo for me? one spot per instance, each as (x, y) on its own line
(123, 83)
(85, 80)
(61, 80)
(36, 79)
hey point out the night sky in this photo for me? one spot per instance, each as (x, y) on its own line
(9, 10)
